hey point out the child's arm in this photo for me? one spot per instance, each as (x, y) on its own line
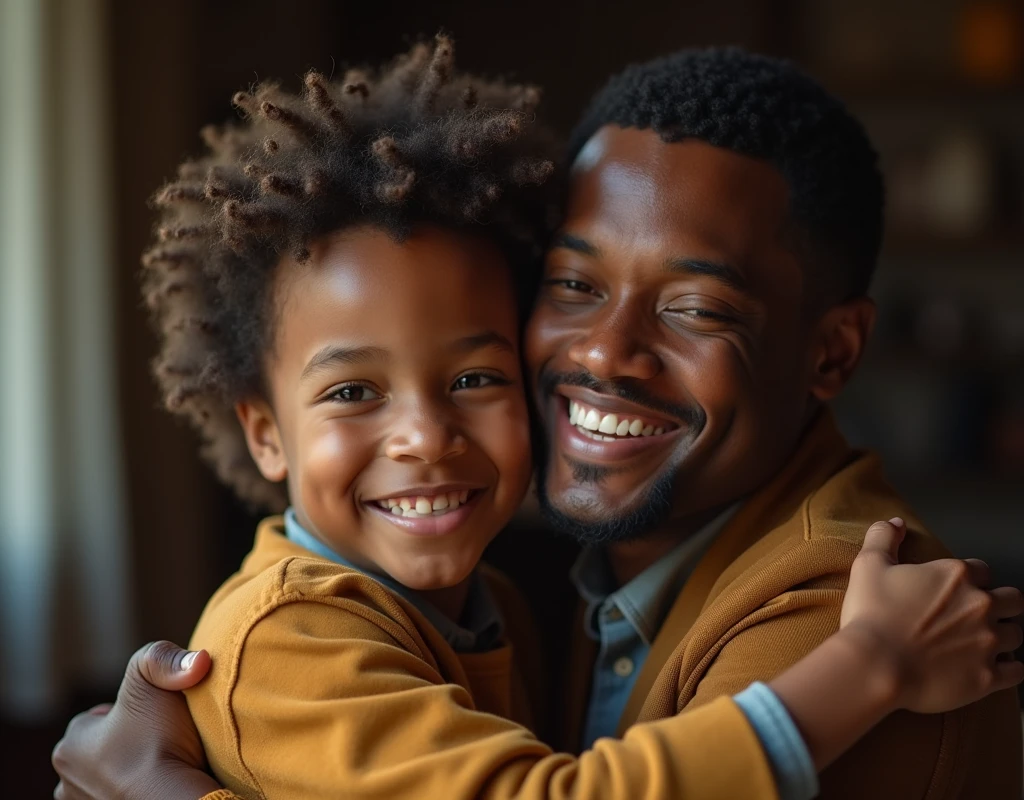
(919, 637)
(930, 613)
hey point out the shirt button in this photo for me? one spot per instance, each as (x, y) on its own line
(623, 667)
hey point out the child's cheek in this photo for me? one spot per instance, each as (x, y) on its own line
(330, 461)
(508, 435)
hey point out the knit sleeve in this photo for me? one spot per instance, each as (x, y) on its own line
(315, 715)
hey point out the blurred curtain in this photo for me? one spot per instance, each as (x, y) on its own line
(63, 617)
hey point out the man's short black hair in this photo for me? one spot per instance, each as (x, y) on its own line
(765, 108)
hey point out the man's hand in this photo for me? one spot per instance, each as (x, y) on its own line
(946, 637)
(145, 745)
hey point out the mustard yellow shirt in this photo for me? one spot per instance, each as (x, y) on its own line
(325, 684)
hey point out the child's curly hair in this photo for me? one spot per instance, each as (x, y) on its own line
(414, 142)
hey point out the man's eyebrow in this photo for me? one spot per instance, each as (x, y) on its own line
(332, 355)
(576, 244)
(713, 269)
(479, 341)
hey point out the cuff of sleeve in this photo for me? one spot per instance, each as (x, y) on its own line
(220, 794)
(787, 753)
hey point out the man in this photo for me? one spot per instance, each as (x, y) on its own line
(709, 284)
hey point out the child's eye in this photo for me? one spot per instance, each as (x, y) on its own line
(353, 393)
(477, 380)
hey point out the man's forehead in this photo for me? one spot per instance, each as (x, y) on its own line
(638, 160)
(628, 182)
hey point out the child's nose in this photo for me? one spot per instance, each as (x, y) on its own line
(428, 436)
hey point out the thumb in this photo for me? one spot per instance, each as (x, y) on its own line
(884, 538)
(166, 666)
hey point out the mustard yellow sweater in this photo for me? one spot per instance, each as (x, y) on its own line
(770, 589)
(325, 684)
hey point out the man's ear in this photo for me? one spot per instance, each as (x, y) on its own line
(263, 438)
(842, 334)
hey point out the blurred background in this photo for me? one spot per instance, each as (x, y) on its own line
(111, 531)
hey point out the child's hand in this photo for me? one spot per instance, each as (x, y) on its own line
(944, 636)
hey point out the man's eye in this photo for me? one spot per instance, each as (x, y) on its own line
(477, 380)
(573, 286)
(703, 314)
(353, 393)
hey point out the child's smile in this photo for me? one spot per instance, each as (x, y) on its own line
(396, 409)
(429, 511)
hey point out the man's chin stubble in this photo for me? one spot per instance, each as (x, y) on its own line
(582, 522)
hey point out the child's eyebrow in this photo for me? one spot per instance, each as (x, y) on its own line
(481, 340)
(332, 355)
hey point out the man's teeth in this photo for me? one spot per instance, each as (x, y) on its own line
(594, 422)
(425, 506)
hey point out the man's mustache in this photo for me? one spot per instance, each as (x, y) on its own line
(693, 416)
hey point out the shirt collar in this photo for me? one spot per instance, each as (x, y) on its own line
(645, 600)
(482, 625)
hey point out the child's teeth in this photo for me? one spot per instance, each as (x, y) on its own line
(609, 422)
(658, 431)
(592, 421)
(422, 506)
(636, 427)
(648, 430)
(623, 428)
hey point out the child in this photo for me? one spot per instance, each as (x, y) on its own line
(344, 275)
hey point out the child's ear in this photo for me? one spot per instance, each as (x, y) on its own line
(842, 335)
(263, 438)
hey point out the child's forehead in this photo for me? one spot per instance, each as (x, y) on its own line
(423, 256)
(365, 280)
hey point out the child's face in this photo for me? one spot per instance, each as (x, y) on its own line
(395, 376)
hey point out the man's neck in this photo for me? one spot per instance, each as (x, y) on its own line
(628, 559)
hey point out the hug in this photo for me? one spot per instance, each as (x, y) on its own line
(393, 302)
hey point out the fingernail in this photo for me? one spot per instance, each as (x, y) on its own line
(897, 521)
(187, 661)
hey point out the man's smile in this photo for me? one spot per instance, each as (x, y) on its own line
(608, 430)
(609, 417)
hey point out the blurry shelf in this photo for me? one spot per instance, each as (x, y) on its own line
(996, 275)
(897, 92)
(1003, 249)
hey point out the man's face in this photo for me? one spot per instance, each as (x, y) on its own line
(672, 301)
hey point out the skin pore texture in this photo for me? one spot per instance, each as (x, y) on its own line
(673, 294)
(364, 408)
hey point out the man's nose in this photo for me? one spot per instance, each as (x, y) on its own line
(425, 433)
(615, 347)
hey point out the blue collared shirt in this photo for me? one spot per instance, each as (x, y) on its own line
(481, 626)
(624, 621)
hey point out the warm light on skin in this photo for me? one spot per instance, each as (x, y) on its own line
(395, 366)
(674, 280)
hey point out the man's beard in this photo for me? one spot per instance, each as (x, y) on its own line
(644, 517)
(647, 514)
